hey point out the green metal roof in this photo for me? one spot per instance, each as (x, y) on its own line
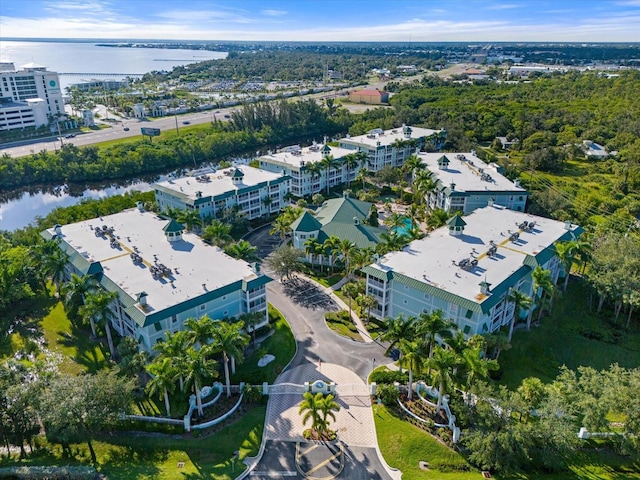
(306, 223)
(362, 236)
(456, 221)
(342, 210)
(237, 173)
(173, 226)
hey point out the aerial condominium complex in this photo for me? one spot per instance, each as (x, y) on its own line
(310, 171)
(468, 267)
(255, 192)
(29, 97)
(464, 183)
(161, 274)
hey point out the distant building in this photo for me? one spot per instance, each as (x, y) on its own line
(139, 111)
(162, 276)
(410, 69)
(340, 217)
(106, 84)
(464, 183)
(393, 147)
(295, 162)
(506, 143)
(467, 268)
(29, 97)
(593, 149)
(88, 118)
(370, 96)
(210, 194)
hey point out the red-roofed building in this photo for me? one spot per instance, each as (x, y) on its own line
(372, 96)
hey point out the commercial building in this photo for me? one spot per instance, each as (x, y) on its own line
(28, 97)
(299, 163)
(392, 147)
(464, 183)
(255, 192)
(162, 275)
(370, 95)
(344, 218)
(467, 268)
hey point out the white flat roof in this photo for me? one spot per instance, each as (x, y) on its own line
(310, 154)
(466, 174)
(192, 262)
(218, 183)
(433, 260)
(387, 137)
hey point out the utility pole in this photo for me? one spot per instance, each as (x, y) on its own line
(175, 116)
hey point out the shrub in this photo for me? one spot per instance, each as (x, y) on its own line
(251, 393)
(389, 376)
(387, 393)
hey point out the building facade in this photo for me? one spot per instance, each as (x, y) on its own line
(468, 267)
(393, 147)
(162, 276)
(370, 96)
(465, 183)
(28, 97)
(255, 192)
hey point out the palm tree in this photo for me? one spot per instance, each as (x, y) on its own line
(313, 248)
(566, 252)
(362, 176)
(351, 161)
(432, 325)
(229, 339)
(391, 242)
(423, 185)
(199, 330)
(314, 169)
(218, 233)
(351, 290)
(476, 366)
(519, 300)
(328, 406)
(442, 363)
(310, 407)
(267, 201)
(437, 218)
(252, 320)
(163, 379)
(397, 331)
(541, 281)
(362, 257)
(498, 342)
(74, 291)
(329, 163)
(395, 221)
(242, 250)
(331, 247)
(366, 303)
(411, 165)
(412, 359)
(174, 347)
(347, 248)
(199, 368)
(190, 219)
(97, 306)
(54, 262)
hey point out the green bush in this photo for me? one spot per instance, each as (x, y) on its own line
(49, 473)
(389, 376)
(387, 393)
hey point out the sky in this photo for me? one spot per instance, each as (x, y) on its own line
(326, 20)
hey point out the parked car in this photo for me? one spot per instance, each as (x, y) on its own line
(126, 129)
(186, 122)
(227, 116)
(71, 135)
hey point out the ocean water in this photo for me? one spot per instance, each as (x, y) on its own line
(87, 57)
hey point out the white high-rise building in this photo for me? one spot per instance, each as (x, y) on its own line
(28, 97)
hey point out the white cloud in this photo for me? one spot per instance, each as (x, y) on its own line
(628, 3)
(273, 13)
(503, 6)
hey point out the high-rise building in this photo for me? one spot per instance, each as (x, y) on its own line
(28, 97)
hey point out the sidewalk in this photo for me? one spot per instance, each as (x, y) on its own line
(362, 330)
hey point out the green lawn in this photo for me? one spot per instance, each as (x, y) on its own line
(281, 344)
(129, 456)
(79, 352)
(342, 324)
(572, 336)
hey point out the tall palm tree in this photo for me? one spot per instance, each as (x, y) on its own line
(520, 300)
(314, 169)
(314, 249)
(331, 247)
(252, 320)
(391, 242)
(242, 250)
(498, 342)
(423, 184)
(362, 176)
(54, 262)
(366, 303)
(351, 290)
(199, 330)
(74, 291)
(199, 368)
(395, 221)
(476, 366)
(163, 379)
(310, 407)
(442, 363)
(190, 219)
(329, 163)
(412, 359)
(398, 330)
(229, 339)
(411, 166)
(97, 307)
(362, 257)
(347, 248)
(218, 233)
(328, 406)
(566, 252)
(541, 282)
(350, 161)
(174, 347)
(437, 218)
(432, 325)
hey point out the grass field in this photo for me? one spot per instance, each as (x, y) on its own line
(342, 324)
(573, 335)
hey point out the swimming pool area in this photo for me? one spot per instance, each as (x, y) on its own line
(405, 229)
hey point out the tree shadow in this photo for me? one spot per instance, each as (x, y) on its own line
(128, 461)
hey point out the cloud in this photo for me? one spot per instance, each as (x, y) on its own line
(628, 3)
(273, 13)
(503, 6)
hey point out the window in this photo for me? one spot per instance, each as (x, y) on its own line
(404, 301)
(427, 297)
(157, 326)
(174, 319)
(225, 313)
(469, 314)
(202, 307)
(466, 329)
